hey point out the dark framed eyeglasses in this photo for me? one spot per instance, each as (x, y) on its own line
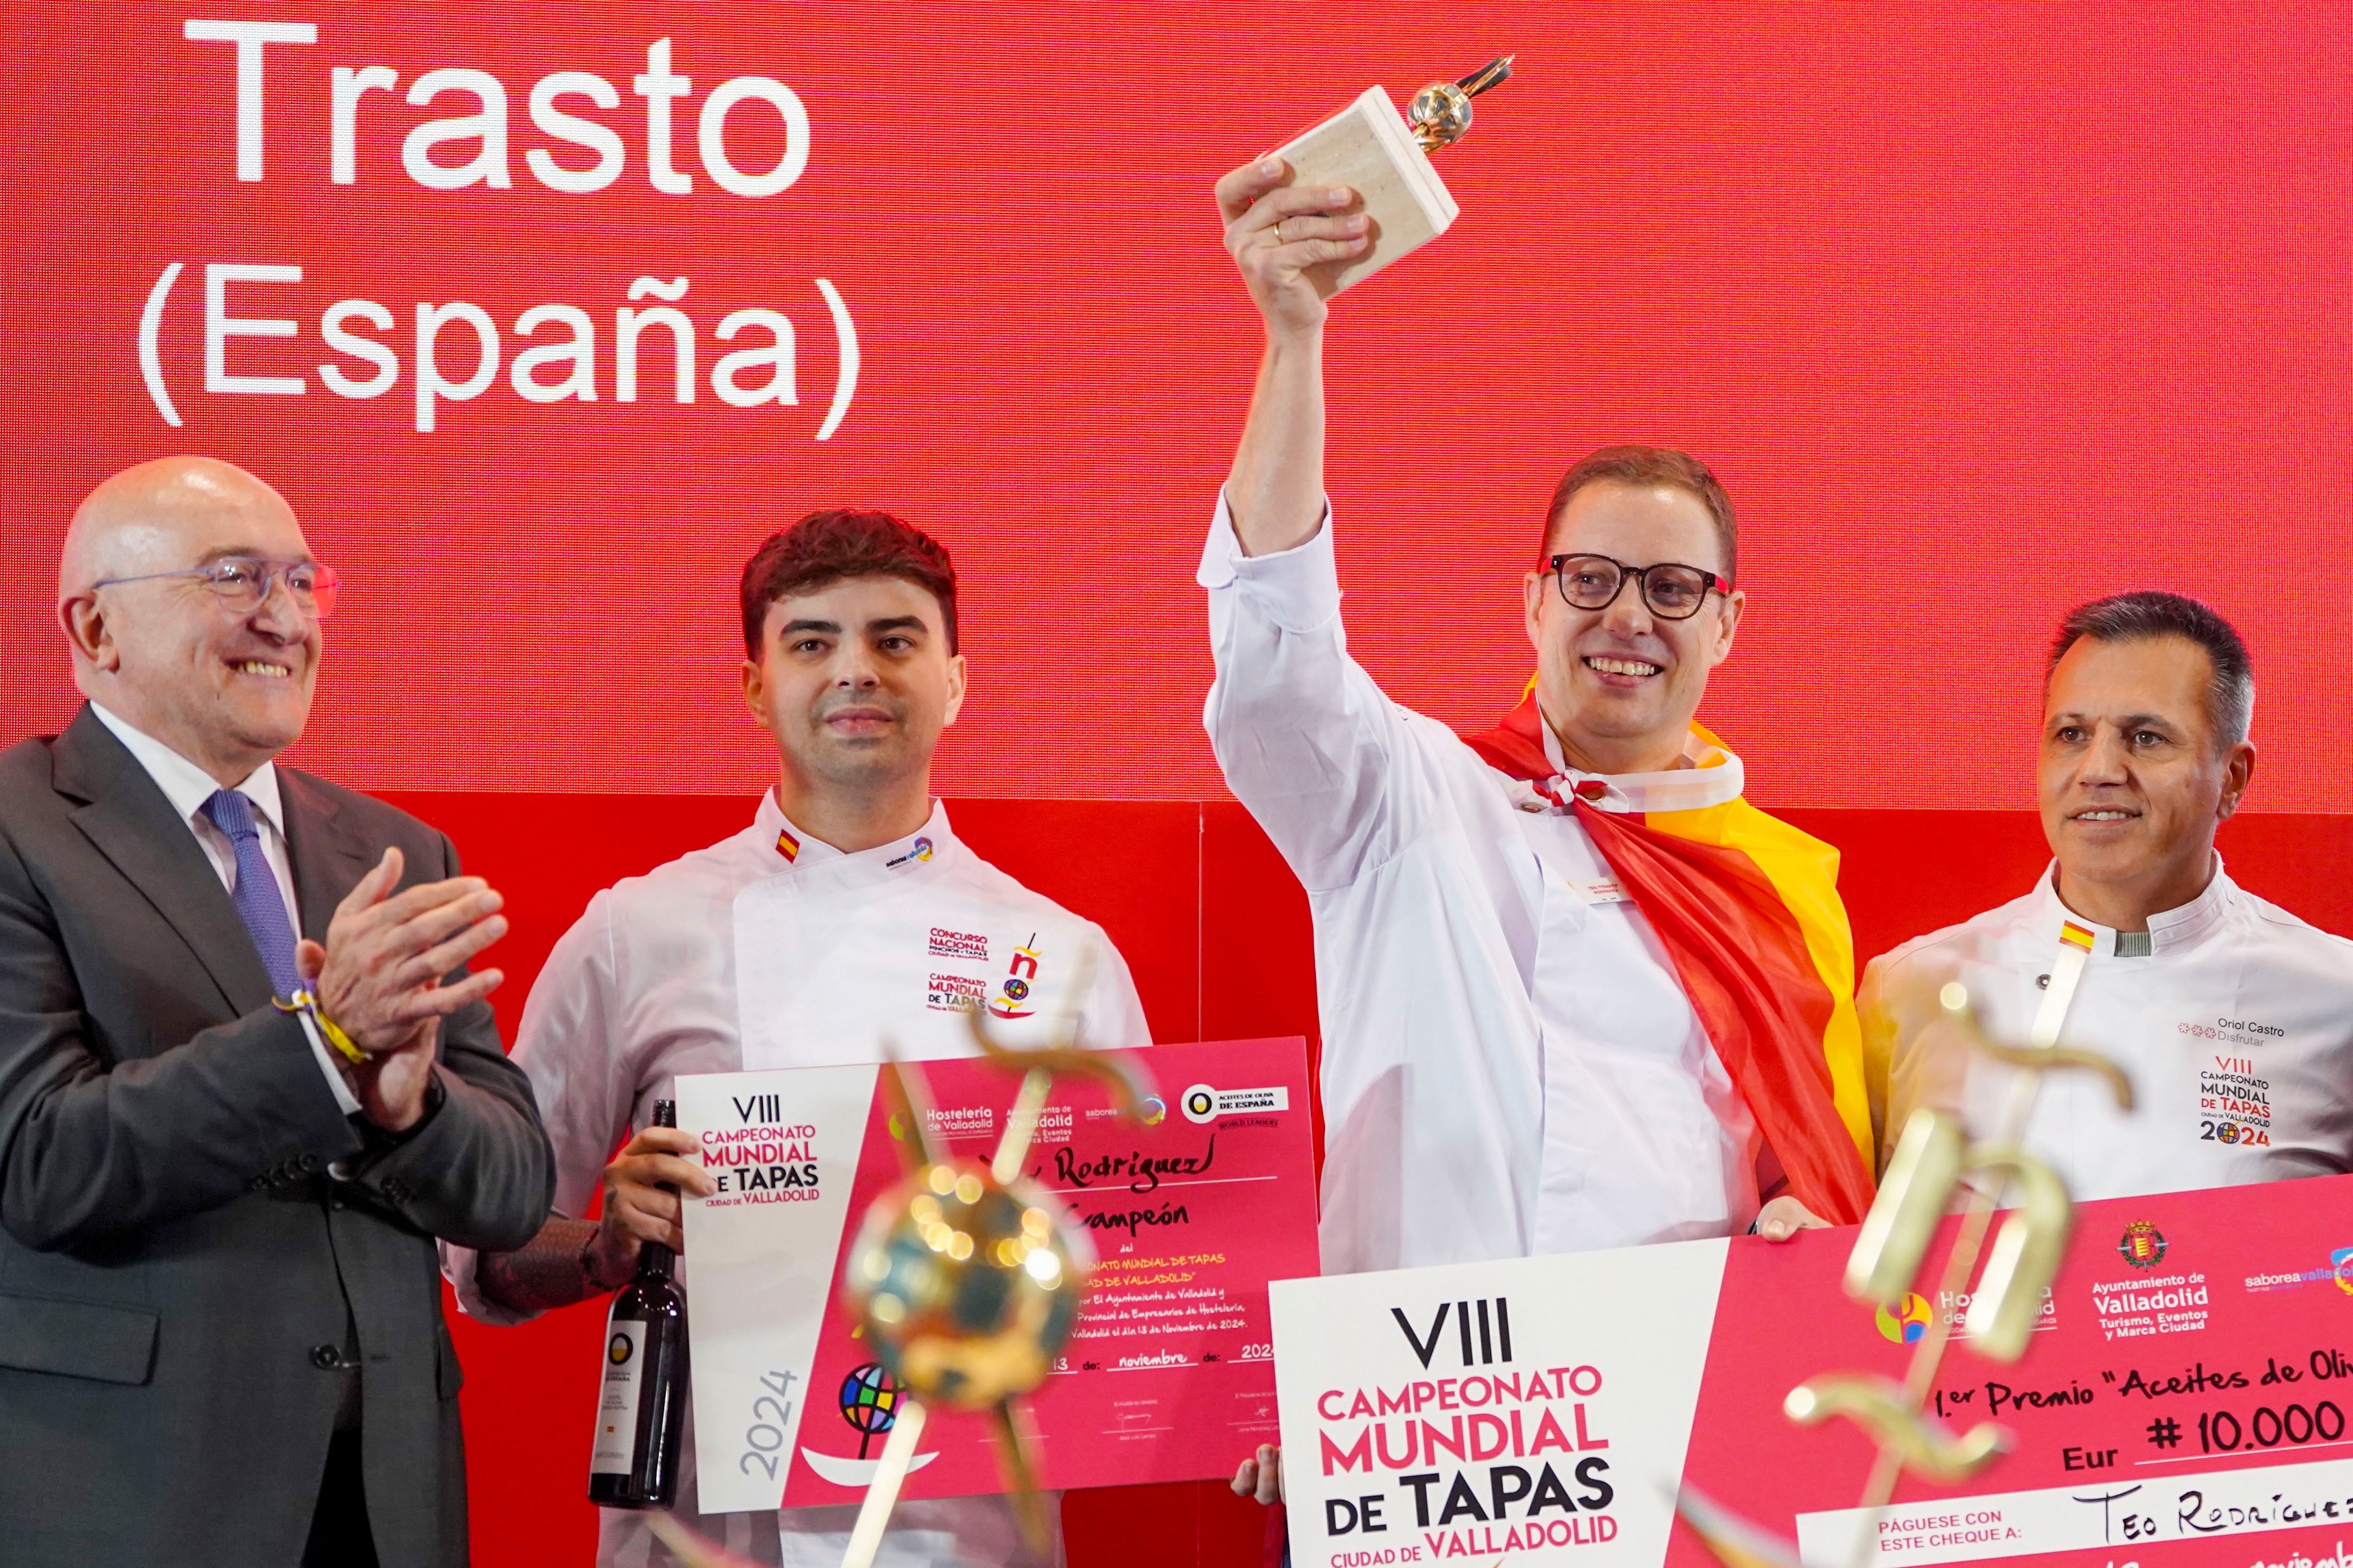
(243, 582)
(1671, 591)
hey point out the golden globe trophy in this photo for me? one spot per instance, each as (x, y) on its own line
(1384, 159)
(1932, 1163)
(966, 1278)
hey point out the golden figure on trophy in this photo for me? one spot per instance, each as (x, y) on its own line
(967, 1278)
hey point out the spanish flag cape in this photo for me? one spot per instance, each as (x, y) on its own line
(1748, 908)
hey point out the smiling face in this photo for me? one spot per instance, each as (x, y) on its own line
(227, 686)
(2132, 784)
(1618, 686)
(856, 683)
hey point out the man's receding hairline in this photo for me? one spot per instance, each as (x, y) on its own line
(1716, 538)
(142, 496)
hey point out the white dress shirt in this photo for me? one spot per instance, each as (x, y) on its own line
(1510, 1064)
(188, 787)
(737, 957)
(2235, 1025)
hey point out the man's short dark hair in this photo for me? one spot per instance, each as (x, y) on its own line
(825, 547)
(1654, 466)
(2147, 614)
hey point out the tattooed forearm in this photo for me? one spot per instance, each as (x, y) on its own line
(545, 1272)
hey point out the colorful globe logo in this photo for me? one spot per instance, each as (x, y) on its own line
(1905, 1322)
(1154, 1110)
(869, 1403)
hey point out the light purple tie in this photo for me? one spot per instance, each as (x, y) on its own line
(256, 894)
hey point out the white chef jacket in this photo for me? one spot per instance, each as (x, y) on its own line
(2236, 1028)
(1510, 1064)
(648, 985)
(188, 787)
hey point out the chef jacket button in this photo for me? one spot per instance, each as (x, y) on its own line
(326, 1358)
(2042, 982)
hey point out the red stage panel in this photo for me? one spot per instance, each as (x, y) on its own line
(1217, 930)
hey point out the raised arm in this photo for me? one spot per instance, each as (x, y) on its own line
(1306, 738)
(1275, 231)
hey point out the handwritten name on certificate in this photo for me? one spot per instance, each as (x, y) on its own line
(1169, 1374)
(2188, 1400)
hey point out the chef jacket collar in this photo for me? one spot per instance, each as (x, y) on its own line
(796, 850)
(1714, 776)
(2170, 932)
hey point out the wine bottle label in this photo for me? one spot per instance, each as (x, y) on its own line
(617, 1409)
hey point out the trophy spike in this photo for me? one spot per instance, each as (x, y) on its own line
(1735, 1543)
(2007, 1301)
(1494, 73)
(904, 1095)
(1958, 1011)
(691, 1549)
(1930, 1167)
(1021, 1479)
(1022, 1124)
(1881, 1408)
(967, 1278)
(1062, 1053)
(1896, 1232)
(882, 1492)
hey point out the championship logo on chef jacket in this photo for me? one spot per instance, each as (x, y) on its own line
(2232, 1020)
(1014, 999)
(900, 944)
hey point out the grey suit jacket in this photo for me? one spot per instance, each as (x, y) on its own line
(181, 1276)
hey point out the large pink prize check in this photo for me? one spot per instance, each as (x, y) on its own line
(1169, 1374)
(2188, 1400)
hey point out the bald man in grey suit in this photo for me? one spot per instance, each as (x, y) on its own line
(246, 1080)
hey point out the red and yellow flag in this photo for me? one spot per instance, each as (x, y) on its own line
(1748, 908)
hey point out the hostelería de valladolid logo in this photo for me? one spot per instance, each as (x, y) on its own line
(1906, 1322)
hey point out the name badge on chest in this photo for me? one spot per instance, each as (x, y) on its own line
(1603, 890)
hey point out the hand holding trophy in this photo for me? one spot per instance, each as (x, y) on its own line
(1339, 203)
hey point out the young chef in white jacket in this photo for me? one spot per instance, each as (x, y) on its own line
(2232, 1017)
(847, 914)
(1514, 1060)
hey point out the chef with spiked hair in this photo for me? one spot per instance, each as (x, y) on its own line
(846, 914)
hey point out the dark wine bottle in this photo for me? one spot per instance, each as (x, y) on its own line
(641, 1412)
